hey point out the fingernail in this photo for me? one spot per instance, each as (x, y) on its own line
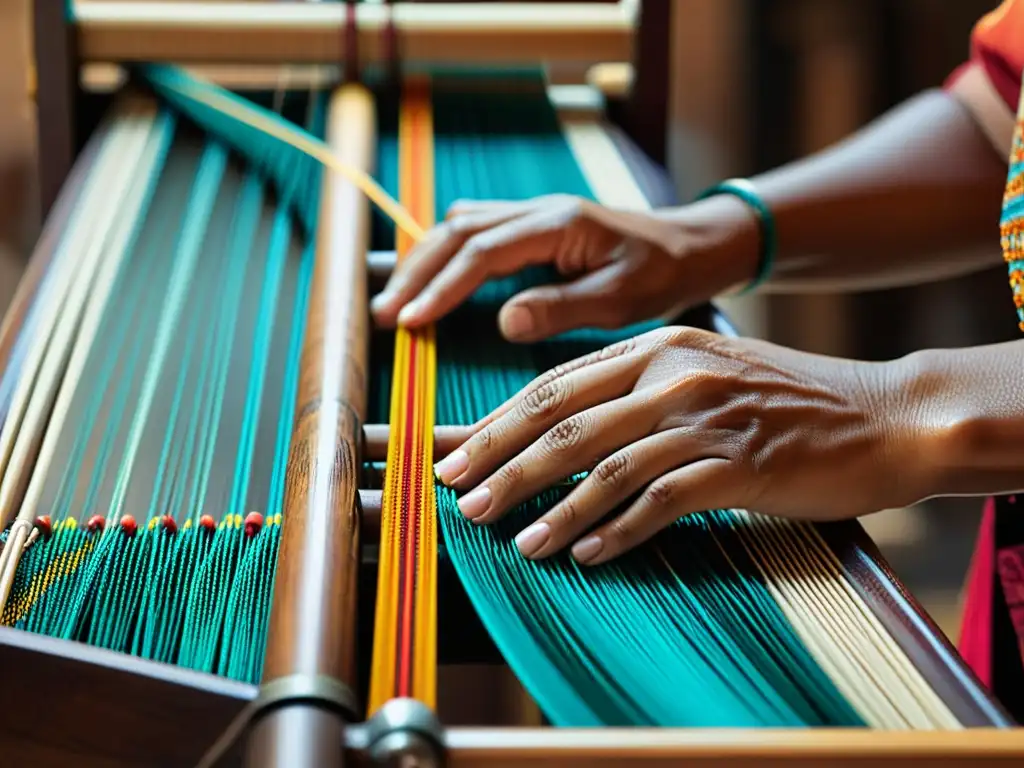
(380, 301)
(475, 503)
(451, 466)
(409, 313)
(532, 539)
(517, 322)
(587, 549)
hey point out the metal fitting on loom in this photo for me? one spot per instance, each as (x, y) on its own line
(322, 691)
(405, 733)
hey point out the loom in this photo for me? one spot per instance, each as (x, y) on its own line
(222, 540)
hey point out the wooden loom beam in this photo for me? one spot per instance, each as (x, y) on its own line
(249, 31)
(60, 680)
(312, 632)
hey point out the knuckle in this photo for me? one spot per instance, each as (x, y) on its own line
(685, 336)
(566, 514)
(457, 207)
(545, 401)
(459, 225)
(618, 349)
(622, 530)
(613, 471)
(566, 434)
(485, 438)
(477, 246)
(660, 493)
(511, 474)
(572, 205)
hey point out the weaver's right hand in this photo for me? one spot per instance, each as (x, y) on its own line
(629, 266)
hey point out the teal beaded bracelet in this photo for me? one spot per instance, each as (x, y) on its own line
(745, 191)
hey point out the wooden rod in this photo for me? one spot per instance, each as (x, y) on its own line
(718, 748)
(312, 629)
(446, 440)
(248, 31)
(612, 80)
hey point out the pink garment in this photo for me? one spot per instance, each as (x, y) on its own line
(976, 624)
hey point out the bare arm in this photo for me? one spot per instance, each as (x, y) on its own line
(913, 197)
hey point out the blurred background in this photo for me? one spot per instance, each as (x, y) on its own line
(754, 83)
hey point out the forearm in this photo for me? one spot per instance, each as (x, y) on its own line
(964, 410)
(913, 197)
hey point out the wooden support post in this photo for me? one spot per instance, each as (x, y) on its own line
(312, 634)
(645, 114)
(56, 96)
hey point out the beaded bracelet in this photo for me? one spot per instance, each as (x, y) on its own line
(745, 191)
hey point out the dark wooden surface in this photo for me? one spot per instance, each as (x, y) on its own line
(70, 704)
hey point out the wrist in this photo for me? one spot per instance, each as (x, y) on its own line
(722, 239)
(955, 440)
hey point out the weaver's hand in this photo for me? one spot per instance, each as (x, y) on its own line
(681, 420)
(630, 266)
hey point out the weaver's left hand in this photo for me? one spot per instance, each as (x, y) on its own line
(682, 420)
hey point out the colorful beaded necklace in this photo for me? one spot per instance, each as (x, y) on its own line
(1011, 224)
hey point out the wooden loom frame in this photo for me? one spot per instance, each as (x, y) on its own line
(62, 678)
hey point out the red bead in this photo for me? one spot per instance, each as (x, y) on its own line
(96, 523)
(169, 524)
(253, 523)
(208, 523)
(45, 526)
(128, 525)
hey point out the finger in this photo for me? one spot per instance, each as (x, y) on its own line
(599, 299)
(495, 252)
(627, 348)
(512, 207)
(571, 446)
(611, 482)
(705, 484)
(427, 258)
(535, 414)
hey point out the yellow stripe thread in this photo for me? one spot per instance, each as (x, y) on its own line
(415, 112)
(66, 564)
(416, 184)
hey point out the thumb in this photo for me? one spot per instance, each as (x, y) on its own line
(592, 301)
